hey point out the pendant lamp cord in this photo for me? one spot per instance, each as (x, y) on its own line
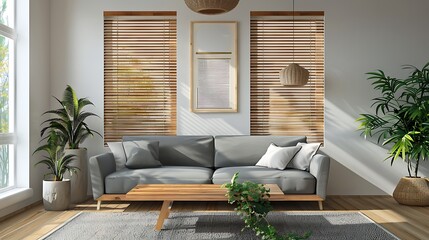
(293, 31)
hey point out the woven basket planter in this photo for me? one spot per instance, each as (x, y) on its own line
(211, 7)
(412, 191)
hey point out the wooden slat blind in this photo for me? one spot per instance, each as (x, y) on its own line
(283, 110)
(139, 74)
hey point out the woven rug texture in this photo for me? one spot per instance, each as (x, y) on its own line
(215, 225)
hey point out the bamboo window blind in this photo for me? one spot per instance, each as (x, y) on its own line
(139, 74)
(283, 110)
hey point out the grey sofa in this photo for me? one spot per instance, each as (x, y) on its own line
(208, 159)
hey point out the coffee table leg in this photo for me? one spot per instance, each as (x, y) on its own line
(321, 205)
(165, 211)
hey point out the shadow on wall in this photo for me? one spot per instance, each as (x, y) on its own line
(343, 181)
(424, 168)
(363, 157)
(190, 123)
(204, 124)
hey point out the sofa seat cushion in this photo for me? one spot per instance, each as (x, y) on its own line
(125, 179)
(290, 181)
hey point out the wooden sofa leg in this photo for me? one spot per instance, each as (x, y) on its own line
(321, 205)
(98, 205)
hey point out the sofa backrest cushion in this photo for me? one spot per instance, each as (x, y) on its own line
(119, 153)
(182, 150)
(232, 151)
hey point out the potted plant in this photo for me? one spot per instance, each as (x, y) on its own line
(252, 204)
(56, 190)
(401, 121)
(69, 122)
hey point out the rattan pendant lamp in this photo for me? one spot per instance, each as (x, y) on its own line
(211, 7)
(294, 75)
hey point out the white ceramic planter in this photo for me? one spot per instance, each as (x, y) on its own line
(78, 181)
(56, 195)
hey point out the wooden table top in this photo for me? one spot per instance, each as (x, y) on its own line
(188, 192)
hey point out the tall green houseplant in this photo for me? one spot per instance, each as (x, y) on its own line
(69, 121)
(401, 116)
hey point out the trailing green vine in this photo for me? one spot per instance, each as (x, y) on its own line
(253, 205)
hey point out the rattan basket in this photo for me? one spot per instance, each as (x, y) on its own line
(211, 7)
(412, 191)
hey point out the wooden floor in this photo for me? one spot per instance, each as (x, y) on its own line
(403, 221)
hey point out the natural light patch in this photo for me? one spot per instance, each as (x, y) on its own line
(344, 220)
(344, 144)
(213, 124)
(394, 217)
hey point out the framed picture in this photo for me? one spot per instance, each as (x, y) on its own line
(214, 66)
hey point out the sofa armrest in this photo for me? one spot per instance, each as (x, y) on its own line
(100, 166)
(319, 168)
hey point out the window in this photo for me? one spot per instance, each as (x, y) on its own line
(139, 74)
(7, 83)
(282, 110)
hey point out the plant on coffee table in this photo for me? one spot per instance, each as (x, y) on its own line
(253, 205)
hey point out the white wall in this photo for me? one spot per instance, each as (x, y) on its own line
(40, 89)
(360, 36)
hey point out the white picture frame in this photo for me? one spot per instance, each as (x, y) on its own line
(214, 66)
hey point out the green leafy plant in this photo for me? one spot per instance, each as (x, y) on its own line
(253, 205)
(55, 159)
(69, 120)
(401, 118)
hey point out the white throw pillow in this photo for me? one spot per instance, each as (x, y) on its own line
(277, 157)
(119, 153)
(302, 159)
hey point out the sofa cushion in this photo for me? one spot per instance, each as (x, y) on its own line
(118, 152)
(234, 151)
(142, 154)
(303, 158)
(277, 157)
(124, 180)
(182, 150)
(290, 180)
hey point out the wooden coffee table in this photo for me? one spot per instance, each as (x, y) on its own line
(168, 193)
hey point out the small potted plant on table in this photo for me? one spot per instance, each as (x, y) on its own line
(253, 205)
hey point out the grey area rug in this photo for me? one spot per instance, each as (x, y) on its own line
(216, 225)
